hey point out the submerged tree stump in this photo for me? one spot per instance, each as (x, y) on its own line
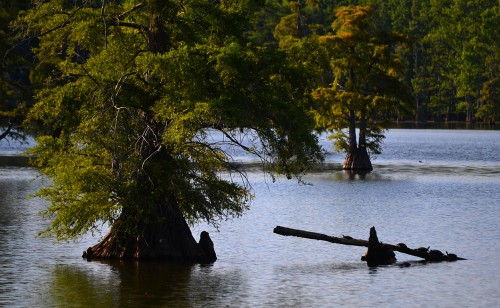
(378, 253)
(357, 159)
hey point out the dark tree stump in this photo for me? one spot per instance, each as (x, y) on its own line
(357, 159)
(378, 253)
(207, 246)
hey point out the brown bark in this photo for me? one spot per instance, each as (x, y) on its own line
(357, 159)
(168, 239)
(424, 253)
(470, 109)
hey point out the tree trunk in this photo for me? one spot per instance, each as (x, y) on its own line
(357, 159)
(352, 131)
(167, 238)
(470, 109)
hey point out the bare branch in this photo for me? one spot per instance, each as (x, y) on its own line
(7, 131)
(244, 147)
(135, 7)
(61, 25)
(88, 75)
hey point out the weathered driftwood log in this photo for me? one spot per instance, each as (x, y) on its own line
(424, 253)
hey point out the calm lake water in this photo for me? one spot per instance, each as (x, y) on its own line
(438, 188)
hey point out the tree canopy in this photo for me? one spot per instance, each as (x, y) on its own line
(135, 90)
(355, 77)
(365, 83)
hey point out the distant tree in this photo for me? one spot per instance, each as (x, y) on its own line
(365, 87)
(263, 21)
(412, 19)
(136, 90)
(305, 18)
(451, 62)
(293, 25)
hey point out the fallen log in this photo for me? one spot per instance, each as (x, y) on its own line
(424, 253)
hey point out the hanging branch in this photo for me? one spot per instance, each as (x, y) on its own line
(7, 131)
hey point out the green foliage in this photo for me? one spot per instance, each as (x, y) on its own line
(457, 55)
(365, 83)
(452, 47)
(133, 96)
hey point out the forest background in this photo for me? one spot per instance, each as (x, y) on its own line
(451, 64)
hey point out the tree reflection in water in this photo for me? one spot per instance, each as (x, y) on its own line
(149, 284)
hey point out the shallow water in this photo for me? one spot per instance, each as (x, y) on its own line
(438, 188)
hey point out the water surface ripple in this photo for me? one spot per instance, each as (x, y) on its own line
(438, 188)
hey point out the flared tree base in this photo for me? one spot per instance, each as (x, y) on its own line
(358, 160)
(169, 240)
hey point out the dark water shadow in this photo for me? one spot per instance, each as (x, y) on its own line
(352, 175)
(144, 284)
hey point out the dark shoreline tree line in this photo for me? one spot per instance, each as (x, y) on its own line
(452, 61)
(451, 64)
